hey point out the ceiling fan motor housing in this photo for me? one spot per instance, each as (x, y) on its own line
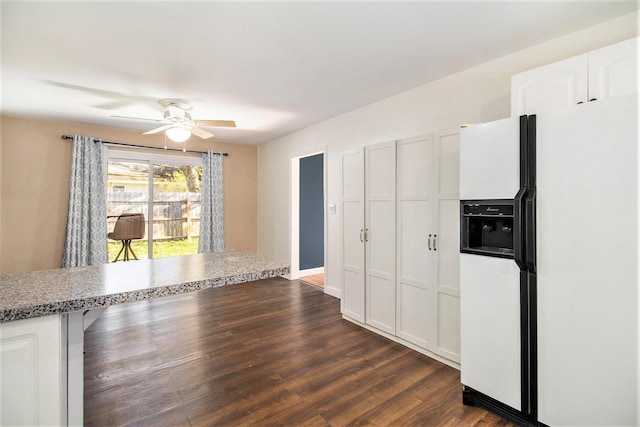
(178, 116)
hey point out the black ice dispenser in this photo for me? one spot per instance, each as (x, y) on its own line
(486, 227)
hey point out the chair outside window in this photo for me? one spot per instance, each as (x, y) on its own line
(128, 227)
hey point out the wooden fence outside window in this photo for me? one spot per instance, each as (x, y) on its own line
(175, 215)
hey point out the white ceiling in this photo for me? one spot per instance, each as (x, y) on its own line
(273, 67)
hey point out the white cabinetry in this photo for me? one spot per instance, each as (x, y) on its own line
(380, 236)
(428, 294)
(368, 236)
(33, 386)
(416, 296)
(352, 203)
(613, 70)
(610, 71)
(400, 248)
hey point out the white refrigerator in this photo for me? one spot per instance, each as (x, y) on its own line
(549, 266)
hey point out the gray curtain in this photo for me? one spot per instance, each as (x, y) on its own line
(212, 212)
(85, 240)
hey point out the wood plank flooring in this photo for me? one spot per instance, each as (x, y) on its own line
(272, 352)
(314, 279)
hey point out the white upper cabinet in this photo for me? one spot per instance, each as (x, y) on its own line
(613, 70)
(551, 87)
(606, 72)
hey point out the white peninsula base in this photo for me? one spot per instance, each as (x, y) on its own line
(42, 369)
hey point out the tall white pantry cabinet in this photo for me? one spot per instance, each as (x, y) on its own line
(368, 235)
(400, 239)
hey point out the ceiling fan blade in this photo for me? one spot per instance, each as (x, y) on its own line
(139, 118)
(113, 105)
(157, 130)
(201, 132)
(217, 123)
(116, 96)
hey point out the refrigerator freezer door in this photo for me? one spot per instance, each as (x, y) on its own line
(587, 264)
(490, 327)
(490, 160)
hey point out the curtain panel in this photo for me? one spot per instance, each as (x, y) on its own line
(86, 233)
(212, 212)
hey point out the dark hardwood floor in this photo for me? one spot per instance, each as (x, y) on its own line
(272, 352)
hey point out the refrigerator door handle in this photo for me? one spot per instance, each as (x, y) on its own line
(519, 237)
(530, 224)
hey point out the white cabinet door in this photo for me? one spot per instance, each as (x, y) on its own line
(613, 70)
(31, 390)
(603, 73)
(415, 305)
(353, 267)
(446, 242)
(551, 87)
(428, 283)
(380, 220)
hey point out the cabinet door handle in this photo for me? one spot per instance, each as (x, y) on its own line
(435, 236)
(593, 99)
(581, 102)
(361, 235)
(429, 241)
(366, 234)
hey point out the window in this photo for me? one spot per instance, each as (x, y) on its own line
(166, 189)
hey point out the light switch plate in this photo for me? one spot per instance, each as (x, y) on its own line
(332, 208)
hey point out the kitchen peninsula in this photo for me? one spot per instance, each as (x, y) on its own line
(43, 315)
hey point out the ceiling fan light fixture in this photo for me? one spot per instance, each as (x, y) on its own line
(177, 134)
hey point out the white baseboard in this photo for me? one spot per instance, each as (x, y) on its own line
(334, 292)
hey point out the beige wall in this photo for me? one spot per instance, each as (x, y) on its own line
(35, 164)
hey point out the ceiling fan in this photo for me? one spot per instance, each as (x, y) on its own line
(179, 124)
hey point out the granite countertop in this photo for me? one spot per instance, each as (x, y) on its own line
(62, 290)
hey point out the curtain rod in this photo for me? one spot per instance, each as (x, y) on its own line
(146, 147)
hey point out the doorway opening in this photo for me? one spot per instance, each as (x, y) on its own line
(308, 219)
